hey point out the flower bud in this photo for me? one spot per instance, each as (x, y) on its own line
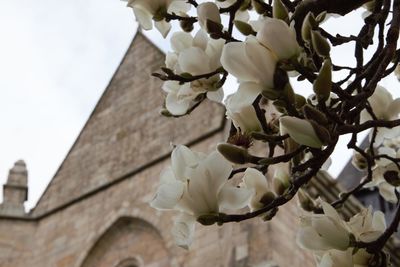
(186, 25)
(323, 83)
(258, 7)
(312, 113)
(392, 177)
(267, 198)
(280, 78)
(322, 133)
(214, 28)
(271, 94)
(288, 93)
(300, 101)
(359, 162)
(320, 44)
(244, 28)
(269, 215)
(280, 181)
(208, 219)
(164, 112)
(208, 11)
(279, 11)
(234, 153)
(301, 131)
(308, 24)
(306, 202)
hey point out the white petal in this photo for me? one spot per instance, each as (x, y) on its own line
(300, 131)
(246, 94)
(387, 191)
(263, 61)
(393, 109)
(201, 40)
(214, 51)
(183, 230)
(242, 15)
(176, 105)
(144, 18)
(216, 96)
(171, 60)
(378, 221)
(235, 60)
(277, 36)
(178, 7)
(163, 27)
(183, 158)
(195, 61)
(181, 41)
(233, 198)
(330, 211)
(308, 238)
(168, 195)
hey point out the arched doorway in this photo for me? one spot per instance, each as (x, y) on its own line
(129, 242)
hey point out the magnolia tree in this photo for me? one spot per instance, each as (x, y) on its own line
(262, 44)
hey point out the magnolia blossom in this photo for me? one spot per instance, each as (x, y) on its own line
(195, 55)
(329, 238)
(208, 11)
(250, 62)
(367, 226)
(240, 110)
(323, 231)
(145, 11)
(196, 185)
(386, 190)
(255, 59)
(385, 108)
(256, 181)
(300, 131)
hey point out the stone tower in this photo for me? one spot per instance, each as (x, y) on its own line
(15, 191)
(95, 211)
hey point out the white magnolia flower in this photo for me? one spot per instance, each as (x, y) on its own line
(386, 190)
(367, 226)
(197, 185)
(385, 108)
(250, 62)
(301, 131)
(240, 110)
(195, 55)
(278, 37)
(326, 231)
(146, 10)
(256, 181)
(208, 11)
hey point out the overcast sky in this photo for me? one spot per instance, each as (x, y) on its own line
(56, 58)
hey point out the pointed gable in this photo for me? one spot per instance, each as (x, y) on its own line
(125, 131)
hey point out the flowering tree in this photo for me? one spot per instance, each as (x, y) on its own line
(285, 38)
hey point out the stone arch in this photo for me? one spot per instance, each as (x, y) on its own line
(128, 242)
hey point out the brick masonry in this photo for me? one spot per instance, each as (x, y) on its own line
(95, 211)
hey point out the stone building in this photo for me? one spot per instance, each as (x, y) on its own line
(95, 211)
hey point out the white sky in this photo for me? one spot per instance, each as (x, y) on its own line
(56, 58)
